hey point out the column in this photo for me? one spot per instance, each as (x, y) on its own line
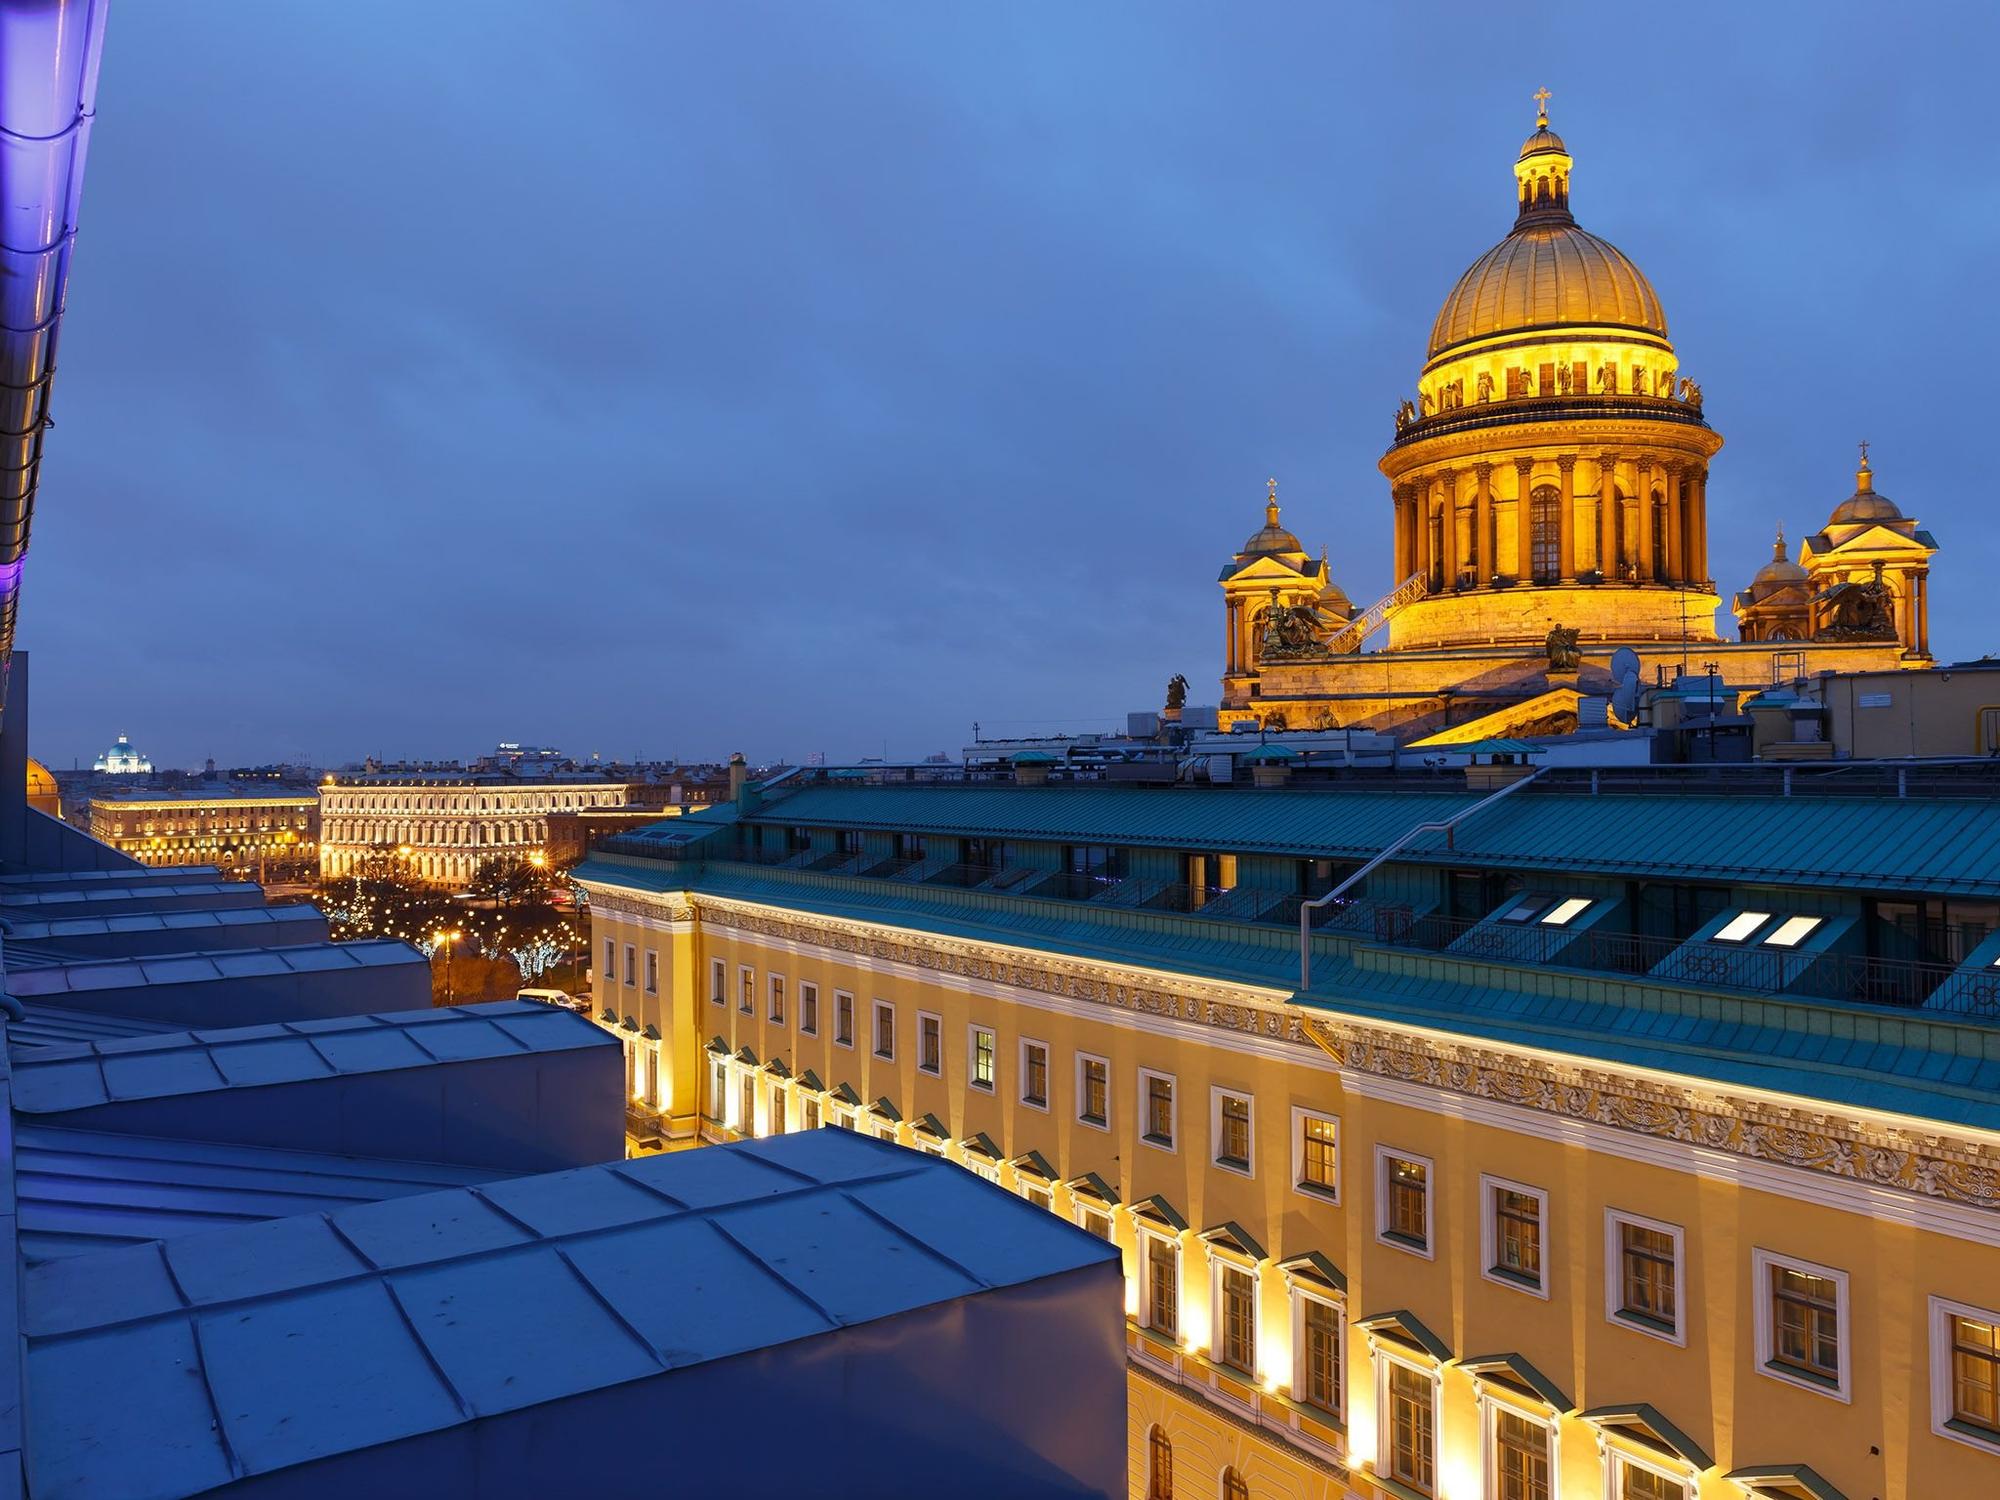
(1524, 521)
(1448, 527)
(1698, 526)
(1922, 581)
(1607, 515)
(1645, 490)
(1676, 543)
(1566, 520)
(1420, 504)
(1482, 520)
(1229, 613)
(1404, 505)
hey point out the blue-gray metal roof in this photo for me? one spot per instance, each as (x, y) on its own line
(55, 929)
(179, 1366)
(191, 968)
(87, 1190)
(1914, 844)
(82, 1075)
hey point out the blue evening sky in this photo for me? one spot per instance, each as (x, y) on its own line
(675, 378)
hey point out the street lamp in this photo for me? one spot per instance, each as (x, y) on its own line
(445, 941)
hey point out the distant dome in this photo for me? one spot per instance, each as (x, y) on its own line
(1271, 537)
(1335, 599)
(1864, 504)
(1779, 573)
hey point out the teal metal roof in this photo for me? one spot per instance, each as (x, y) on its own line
(1913, 844)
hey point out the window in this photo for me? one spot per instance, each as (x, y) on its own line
(631, 965)
(1236, 1317)
(1739, 927)
(1317, 1355)
(1316, 1154)
(930, 1043)
(1791, 932)
(980, 1073)
(746, 990)
(1159, 1464)
(1801, 1322)
(746, 1121)
(809, 1112)
(843, 1018)
(1544, 533)
(1037, 1194)
(610, 961)
(1403, 1206)
(1160, 1298)
(1565, 911)
(1035, 1074)
(718, 1092)
(777, 998)
(1093, 1091)
(1520, 1456)
(1965, 1373)
(885, 1030)
(1411, 1402)
(652, 972)
(1632, 1480)
(1094, 1219)
(1230, 1129)
(1513, 1234)
(775, 1110)
(1156, 1098)
(1644, 1275)
(1233, 1487)
(809, 1009)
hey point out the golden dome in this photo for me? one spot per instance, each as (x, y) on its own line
(1779, 573)
(1273, 538)
(1864, 504)
(1548, 273)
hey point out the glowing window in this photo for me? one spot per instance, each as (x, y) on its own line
(1742, 925)
(1524, 911)
(1565, 911)
(1791, 932)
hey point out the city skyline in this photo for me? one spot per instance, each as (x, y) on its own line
(923, 365)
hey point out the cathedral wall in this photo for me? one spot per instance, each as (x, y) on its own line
(1610, 612)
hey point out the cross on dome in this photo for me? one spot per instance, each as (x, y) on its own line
(1542, 97)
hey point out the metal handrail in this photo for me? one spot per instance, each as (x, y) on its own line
(1441, 825)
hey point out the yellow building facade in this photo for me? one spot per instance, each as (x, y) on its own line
(1550, 474)
(444, 825)
(276, 831)
(1367, 1258)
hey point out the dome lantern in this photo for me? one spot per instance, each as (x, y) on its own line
(1541, 172)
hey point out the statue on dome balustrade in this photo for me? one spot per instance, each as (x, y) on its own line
(1607, 379)
(1562, 380)
(1517, 383)
(1406, 413)
(1485, 388)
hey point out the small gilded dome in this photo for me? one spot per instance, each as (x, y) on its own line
(1864, 504)
(1543, 141)
(1779, 573)
(1272, 538)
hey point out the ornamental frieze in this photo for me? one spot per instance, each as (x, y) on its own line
(1921, 1163)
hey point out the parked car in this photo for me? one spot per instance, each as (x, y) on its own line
(556, 997)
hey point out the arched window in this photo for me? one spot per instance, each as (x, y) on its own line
(1159, 1464)
(1546, 539)
(1233, 1487)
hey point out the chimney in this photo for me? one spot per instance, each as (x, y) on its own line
(739, 772)
(1031, 767)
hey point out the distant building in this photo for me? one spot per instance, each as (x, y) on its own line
(122, 760)
(444, 823)
(275, 832)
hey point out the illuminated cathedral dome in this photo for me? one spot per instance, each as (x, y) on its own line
(1779, 573)
(1547, 273)
(1864, 504)
(1272, 538)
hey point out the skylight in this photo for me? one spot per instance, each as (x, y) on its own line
(1742, 925)
(1791, 932)
(1526, 909)
(1565, 911)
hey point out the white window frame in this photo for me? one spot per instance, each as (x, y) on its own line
(937, 1070)
(652, 971)
(1313, 1190)
(1082, 1206)
(808, 987)
(1942, 1311)
(718, 982)
(973, 1031)
(1110, 1108)
(1171, 1145)
(1762, 1263)
(774, 997)
(1216, 1094)
(1383, 1234)
(1618, 1460)
(1383, 1358)
(1048, 1072)
(1490, 1407)
(1142, 1242)
(738, 1076)
(852, 1017)
(875, 1013)
(746, 992)
(1217, 1262)
(1614, 1276)
(1299, 1293)
(631, 966)
(1490, 1189)
(611, 961)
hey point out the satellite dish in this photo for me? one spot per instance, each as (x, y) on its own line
(1625, 686)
